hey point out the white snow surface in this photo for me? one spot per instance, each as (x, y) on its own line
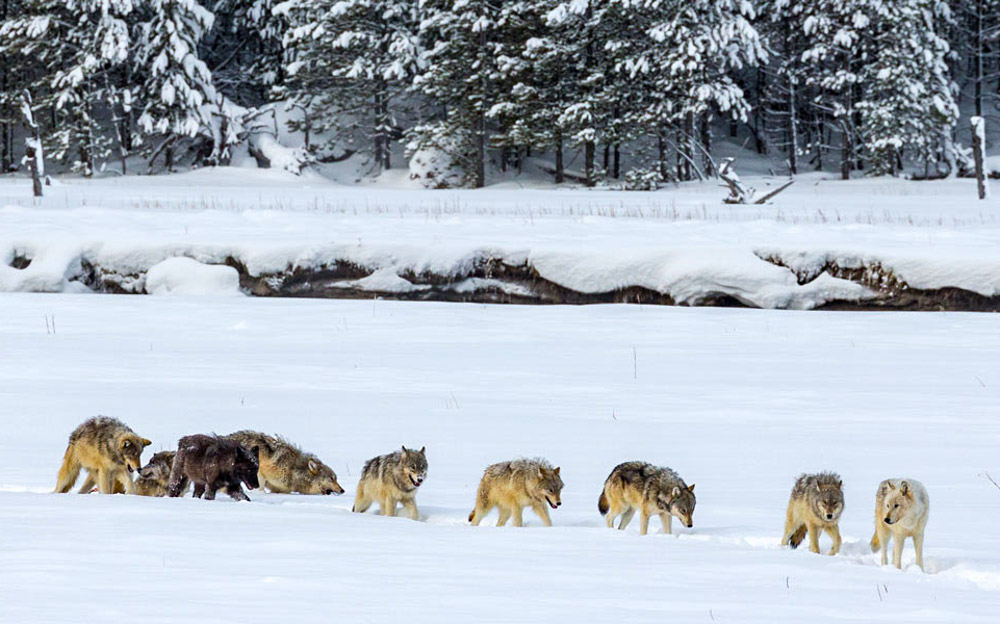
(739, 402)
(184, 276)
(681, 241)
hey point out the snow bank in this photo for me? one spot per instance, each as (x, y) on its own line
(184, 276)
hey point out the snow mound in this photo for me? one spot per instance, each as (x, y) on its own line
(184, 276)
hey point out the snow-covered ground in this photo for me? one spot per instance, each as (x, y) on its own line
(738, 401)
(681, 242)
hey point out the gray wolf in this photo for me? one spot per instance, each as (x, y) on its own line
(285, 468)
(901, 510)
(815, 506)
(155, 476)
(213, 463)
(390, 480)
(513, 485)
(652, 490)
(108, 449)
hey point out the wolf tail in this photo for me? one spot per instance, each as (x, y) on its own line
(602, 503)
(472, 514)
(875, 543)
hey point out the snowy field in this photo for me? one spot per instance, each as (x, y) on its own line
(683, 241)
(738, 401)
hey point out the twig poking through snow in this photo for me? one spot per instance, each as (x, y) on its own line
(991, 479)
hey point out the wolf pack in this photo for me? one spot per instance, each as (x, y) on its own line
(111, 452)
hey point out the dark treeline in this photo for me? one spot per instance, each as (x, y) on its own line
(591, 87)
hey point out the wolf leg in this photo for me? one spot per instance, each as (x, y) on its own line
(897, 549)
(177, 478)
(88, 484)
(542, 513)
(410, 505)
(668, 522)
(105, 481)
(199, 490)
(127, 484)
(68, 473)
(834, 532)
(504, 516)
(236, 492)
(210, 490)
(609, 519)
(518, 514)
(388, 507)
(643, 522)
(814, 532)
(918, 545)
(626, 518)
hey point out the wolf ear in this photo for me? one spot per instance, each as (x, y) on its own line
(904, 488)
(313, 468)
(255, 451)
(404, 450)
(691, 488)
(887, 486)
(556, 470)
(146, 442)
(840, 483)
(423, 450)
(676, 491)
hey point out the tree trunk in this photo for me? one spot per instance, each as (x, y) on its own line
(845, 152)
(978, 60)
(588, 163)
(560, 172)
(661, 146)
(617, 161)
(706, 143)
(33, 146)
(979, 153)
(481, 153)
(793, 129)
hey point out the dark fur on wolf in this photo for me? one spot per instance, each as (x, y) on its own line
(154, 477)
(213, 463)
(108, 450)
(285, 468)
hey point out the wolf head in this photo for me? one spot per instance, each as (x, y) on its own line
(245, 466)
(413, 466)
(550, 484)
(153, 477)
(679, 502)
(130, 448)
(321, 478)
(896, 501)
(828, 500)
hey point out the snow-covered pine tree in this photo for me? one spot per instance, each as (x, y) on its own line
(906, 103)
(352, 60)
(974, 38)
(834, 29)
(244, 49)
(786, 95)
(10, 83)
(685, 51)
(582, 29)
(71, 48)
(459, 78)
(176, 94)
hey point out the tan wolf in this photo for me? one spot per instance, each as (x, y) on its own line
(815, 506)
(108, 450)
(155, 475)
(390, 480)
(650, 489)
(513, 485)
(901, 510)
(285, 468)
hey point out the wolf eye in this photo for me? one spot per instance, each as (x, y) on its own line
(896, 506)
